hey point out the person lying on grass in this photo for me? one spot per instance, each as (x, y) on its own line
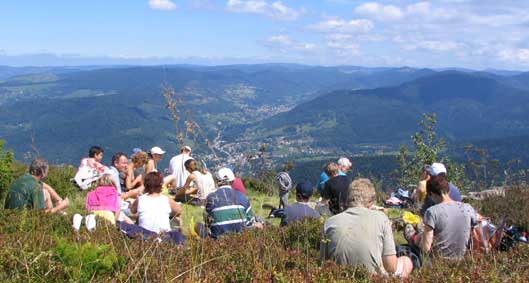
(30, 192)
(361, 236)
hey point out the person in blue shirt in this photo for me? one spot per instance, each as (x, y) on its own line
(301, 208)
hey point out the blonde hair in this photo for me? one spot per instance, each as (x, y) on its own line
(141, 158)
(105, 180)
(361, 193)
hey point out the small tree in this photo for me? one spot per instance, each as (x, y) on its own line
(7, 174)
(427, 149)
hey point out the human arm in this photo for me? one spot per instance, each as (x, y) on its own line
(176, 210)
(426, 239)
(186, 189)
(53, 194)
(150, 166)
(134, 206)
(130, 181)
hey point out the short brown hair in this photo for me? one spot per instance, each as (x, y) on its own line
(438, 185)
(331, 169)
(39, 167)
(361, 193)
(153, 182)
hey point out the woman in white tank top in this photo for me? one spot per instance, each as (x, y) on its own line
(203, 182)
(154, 209)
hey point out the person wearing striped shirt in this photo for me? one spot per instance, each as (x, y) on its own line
(228, 210)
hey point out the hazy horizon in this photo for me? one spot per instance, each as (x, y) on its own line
(471, 34)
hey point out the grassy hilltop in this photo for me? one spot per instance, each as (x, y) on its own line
(36, 247)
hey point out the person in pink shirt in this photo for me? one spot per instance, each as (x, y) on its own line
(104, 201)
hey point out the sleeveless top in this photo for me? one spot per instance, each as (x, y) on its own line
(204, 184)
(154, 212)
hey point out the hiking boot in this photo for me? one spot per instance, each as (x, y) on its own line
(90, 222)
(409, 231)
(77, 219)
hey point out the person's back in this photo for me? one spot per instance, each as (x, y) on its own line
(177, 168)
(228, 211)
(453, 193)
(204, 183)
(25, 192)
(298, 211)
(452, 224)
(336, 191)
(154, 212)
(361, 237)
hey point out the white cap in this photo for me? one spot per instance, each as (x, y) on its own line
(225, 174)
(157, 150)
(436, 169)
(185, 147)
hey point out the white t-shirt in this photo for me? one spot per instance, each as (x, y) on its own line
(154, 212)
(177, 168)
(204, 183)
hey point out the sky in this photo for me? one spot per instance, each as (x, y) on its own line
(476, 34)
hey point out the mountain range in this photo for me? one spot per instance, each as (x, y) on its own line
(293, 110)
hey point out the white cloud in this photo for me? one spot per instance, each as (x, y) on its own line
(276, 10)
(514, 55)
(438, 46)
(342, 26)
(379, 12)
(284, 44)
(165, 5)
(344, 48)
(420, 8)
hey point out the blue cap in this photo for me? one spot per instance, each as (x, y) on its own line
(304, 189)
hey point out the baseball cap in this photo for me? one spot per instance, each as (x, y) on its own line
(436, 169)
(225, 174)
(157, 150)
(304, 189)
(185, 147)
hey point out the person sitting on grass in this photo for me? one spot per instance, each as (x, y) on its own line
(155, 209)
(361, 236)
(228, 210)
(30, 192)
(438, 169)
(155, 155)
(447, 224)
(104, 201)
(135, 174)
(203, 185)
(300, 209)
(90, 168)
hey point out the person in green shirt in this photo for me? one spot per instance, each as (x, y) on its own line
(30, 192)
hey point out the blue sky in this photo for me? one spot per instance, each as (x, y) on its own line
(476, 34)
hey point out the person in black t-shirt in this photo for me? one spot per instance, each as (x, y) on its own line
(336, 190)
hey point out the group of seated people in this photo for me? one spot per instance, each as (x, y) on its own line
(141, 202)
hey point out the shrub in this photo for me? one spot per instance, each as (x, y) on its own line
(7, 173)
(85, 261)
(512, 207)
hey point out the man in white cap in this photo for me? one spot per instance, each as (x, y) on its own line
(228, 210)
(177, 168)
(438, 169)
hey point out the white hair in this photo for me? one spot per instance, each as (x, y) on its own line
(344, 162)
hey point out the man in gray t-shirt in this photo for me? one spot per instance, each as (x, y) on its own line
(361, 236)
(447, 225)
(451, 224)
